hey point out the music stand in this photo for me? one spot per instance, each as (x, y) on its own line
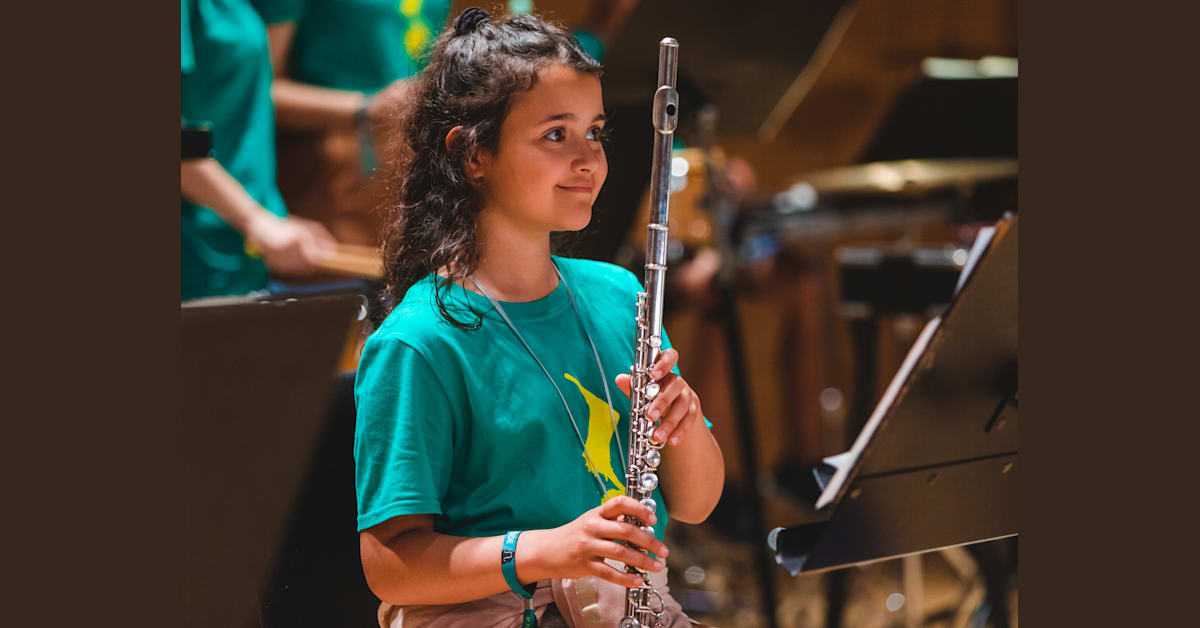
(936, 464)
(257, 377)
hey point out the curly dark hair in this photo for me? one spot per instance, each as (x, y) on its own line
(431, 204)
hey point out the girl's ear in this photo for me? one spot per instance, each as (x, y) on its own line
(476, 166)
(452, 136)
(476, 162)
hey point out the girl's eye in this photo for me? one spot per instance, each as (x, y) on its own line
(555, 135)
(597, 134)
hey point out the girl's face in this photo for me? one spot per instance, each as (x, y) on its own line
(549, 164)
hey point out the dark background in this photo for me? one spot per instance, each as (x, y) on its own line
(94, 493)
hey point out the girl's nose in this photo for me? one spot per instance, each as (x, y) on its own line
(587, 158)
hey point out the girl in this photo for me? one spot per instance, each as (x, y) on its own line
(489, 441)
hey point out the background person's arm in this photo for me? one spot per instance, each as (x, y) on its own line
(289, 246)
(301, 106)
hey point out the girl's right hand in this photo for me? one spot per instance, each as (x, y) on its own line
(579, 548)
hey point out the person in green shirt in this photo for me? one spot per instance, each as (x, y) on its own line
(234, 227)
(492, 402)
(340, 66)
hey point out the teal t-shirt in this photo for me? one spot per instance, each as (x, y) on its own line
(464, 425)
(361, 45)
(225, 81)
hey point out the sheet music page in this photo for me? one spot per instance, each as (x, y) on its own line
(846, 460)
(981, 242)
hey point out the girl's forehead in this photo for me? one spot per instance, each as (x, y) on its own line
(559, 90)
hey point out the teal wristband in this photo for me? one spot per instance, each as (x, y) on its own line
(508, 566)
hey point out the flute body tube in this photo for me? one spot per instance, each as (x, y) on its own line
(643, 605)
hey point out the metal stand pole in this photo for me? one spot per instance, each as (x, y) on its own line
(748, 441)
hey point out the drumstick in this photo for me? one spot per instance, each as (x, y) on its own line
(359, 250)
(354, 260)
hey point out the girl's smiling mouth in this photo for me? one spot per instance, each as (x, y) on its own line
(582, 189)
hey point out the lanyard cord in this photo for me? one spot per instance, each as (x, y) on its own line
(595, 354)
(561, 396)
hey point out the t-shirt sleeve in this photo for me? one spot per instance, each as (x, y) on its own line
(404, 434)
(636, 286)
(187, 56)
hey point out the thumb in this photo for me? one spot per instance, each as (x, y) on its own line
(623, 383)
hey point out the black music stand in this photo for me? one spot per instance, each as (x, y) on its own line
(257, 376)
(878, 282)
(936, 464)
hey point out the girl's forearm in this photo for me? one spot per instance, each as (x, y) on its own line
(693, 474)
(421, 567)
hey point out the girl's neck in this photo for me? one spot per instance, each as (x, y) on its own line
(514, 263)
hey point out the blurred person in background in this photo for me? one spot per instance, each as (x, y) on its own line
(234, 226)
(339, 66)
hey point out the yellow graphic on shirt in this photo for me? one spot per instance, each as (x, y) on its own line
(417, 34)
(415, 39)
(410, 8)
(602, 425)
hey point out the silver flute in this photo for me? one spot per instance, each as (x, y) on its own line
(643, 605)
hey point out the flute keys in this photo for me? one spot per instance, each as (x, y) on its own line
(651, 391)
(629, 622)
(650, 503)
(648, 482)
(653, 458)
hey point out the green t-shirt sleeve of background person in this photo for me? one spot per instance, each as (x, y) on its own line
(403, 443)
(277, 11)
(363, 45)
(187, 58)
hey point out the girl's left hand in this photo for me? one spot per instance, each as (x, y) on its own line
(677, 404)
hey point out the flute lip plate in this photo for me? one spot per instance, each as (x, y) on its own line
(668, 41)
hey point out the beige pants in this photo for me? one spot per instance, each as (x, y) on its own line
(583, 603)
